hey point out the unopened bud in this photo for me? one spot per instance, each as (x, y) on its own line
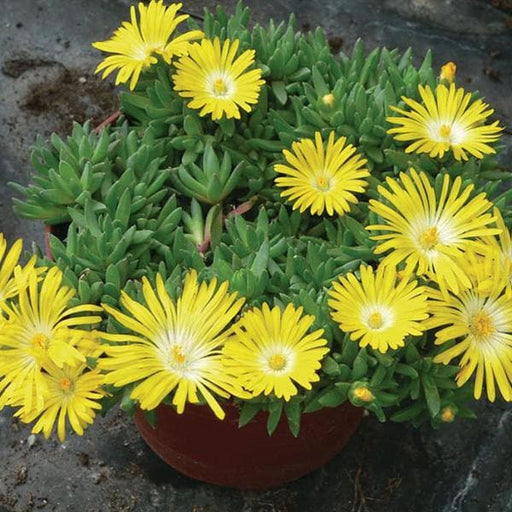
(328, 99)
(364, 394)
(447, 414)
(448, 72)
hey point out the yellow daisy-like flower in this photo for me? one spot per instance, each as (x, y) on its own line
(217, 82)
(269, 350)
(72, 393)
(41, 330)
(378, 309)
(12, 275)
(500, 247)
(480, 320)
(321, 178)
(174, 347)
(135, 44)
(430, 231)
(445, 121)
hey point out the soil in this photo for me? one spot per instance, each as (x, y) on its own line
(72, 95)
(505, 5)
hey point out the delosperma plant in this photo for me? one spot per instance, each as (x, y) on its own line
(268, 223)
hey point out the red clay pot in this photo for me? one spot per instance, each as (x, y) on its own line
(200, 446)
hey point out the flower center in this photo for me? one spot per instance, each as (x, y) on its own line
(482, 325)
(65, 384)
(445, 131)
(277, 362)
(177, 354)
(144, 53)
(322, 183)
(40, 341)
(220, 88)
(429, 238)
(375, 320)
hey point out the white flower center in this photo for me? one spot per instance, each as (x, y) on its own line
(482, 325)
(277, 360)
(377, 317)
(427, 235)
(429, 238)
(375, 320)
(178, 356)
(449, 132)
(178, 352)
(485, 321)
(143, 53)
(221, 86)
(322, 182)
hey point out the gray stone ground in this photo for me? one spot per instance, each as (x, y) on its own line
(46, 82)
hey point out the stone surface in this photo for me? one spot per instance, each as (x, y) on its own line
(46, 80)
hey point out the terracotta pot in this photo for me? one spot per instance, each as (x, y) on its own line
(200, 446)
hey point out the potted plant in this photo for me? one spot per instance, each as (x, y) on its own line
(267, 241)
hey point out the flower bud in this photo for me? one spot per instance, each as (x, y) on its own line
(448, 72)
(328, 99)
(360, 394)
(448, 414)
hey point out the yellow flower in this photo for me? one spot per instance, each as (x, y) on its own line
(322, 179)
(12, 275)
(40, 331)
(480, 323)
(430, 231)
(217, 82)
(446, 121)
(135, 44)
(72, 393)
(269, 350)
(500, 247)
(378, 309)
(173, 346)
